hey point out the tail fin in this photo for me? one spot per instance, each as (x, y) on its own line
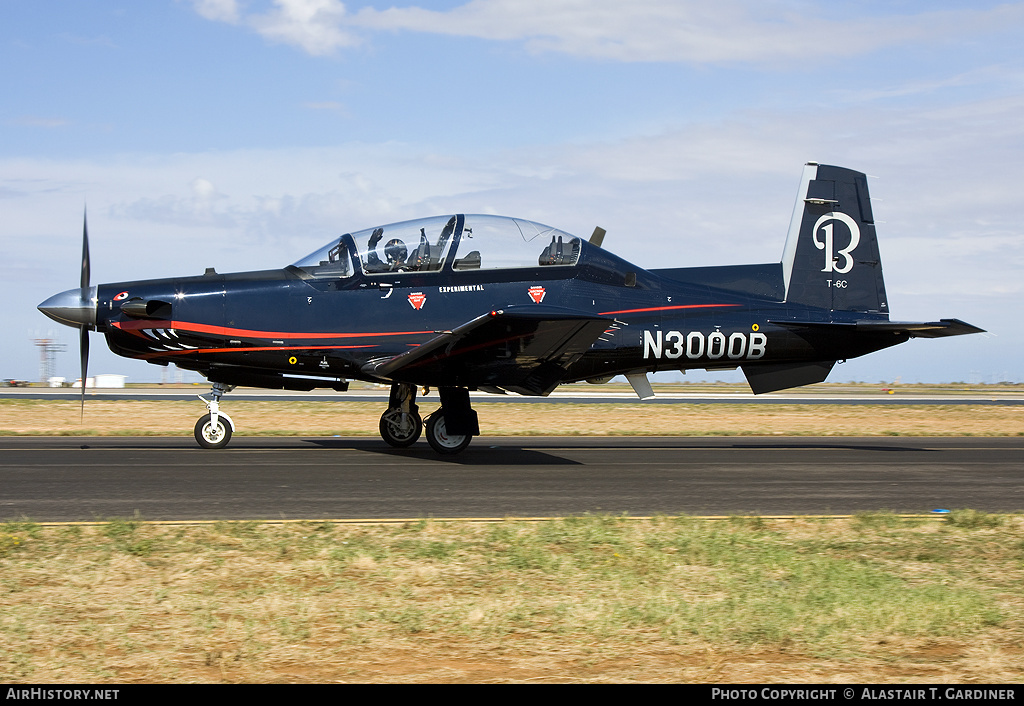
(831, 258)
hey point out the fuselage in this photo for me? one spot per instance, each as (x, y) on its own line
(286, 328)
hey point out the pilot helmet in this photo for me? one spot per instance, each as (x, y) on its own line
(395, 251)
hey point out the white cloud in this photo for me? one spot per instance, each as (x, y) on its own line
(985, 76)
(314, 25)
(644, 30)
(202, 207)
(693, 31)
(689, 31)
(318, 27)
(218, 10)
(334, 107)
(38, 121)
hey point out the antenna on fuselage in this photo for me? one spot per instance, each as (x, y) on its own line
(598, 236)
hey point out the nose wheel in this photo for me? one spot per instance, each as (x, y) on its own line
(211, 434)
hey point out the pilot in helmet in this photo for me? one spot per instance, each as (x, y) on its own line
(396, 254)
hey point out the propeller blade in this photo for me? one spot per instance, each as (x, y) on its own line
(84, 339)
(84, 353)
(598, 236)
(85, 255)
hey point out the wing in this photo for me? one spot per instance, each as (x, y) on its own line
(519, 349)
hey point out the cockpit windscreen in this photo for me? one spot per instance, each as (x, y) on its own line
(424, 245)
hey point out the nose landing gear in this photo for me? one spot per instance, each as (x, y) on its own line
(400, 425)
(213, 430)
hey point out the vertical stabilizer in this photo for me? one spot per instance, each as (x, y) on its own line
(831, 258)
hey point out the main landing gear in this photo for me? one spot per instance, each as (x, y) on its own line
(450, 429)
(213, 430)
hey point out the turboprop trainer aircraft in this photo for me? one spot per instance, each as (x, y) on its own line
(476, 302)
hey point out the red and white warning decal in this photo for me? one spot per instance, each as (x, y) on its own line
(416, 299)
(536, 294)
(119, 297)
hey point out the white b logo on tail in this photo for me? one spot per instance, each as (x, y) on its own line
(831, 256)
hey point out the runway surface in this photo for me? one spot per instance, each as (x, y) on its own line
(65, 479)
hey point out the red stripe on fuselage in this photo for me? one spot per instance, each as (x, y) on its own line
(225, 331)
(665, 308)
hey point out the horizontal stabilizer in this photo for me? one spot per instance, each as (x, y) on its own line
(916, 329)
(521, 349)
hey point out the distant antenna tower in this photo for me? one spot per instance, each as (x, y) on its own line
(48, 350)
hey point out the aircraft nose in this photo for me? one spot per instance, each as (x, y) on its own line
(71, 308)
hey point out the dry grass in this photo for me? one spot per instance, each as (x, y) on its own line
(325, 418)
(594, 599)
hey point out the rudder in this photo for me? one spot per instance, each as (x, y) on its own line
(831, 258)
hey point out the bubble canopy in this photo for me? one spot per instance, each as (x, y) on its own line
(470, 242)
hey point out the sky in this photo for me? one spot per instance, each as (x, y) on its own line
(243, 135)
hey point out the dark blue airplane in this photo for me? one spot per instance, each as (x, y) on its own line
(475, 302)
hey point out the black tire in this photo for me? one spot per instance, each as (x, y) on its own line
(400, 429)
(210, 437)
(439, 438)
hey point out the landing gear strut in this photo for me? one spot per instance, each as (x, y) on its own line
(400, 425)
(213, 430)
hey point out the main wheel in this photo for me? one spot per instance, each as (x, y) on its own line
(212, 436)
(439, 438)
(400, 429)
